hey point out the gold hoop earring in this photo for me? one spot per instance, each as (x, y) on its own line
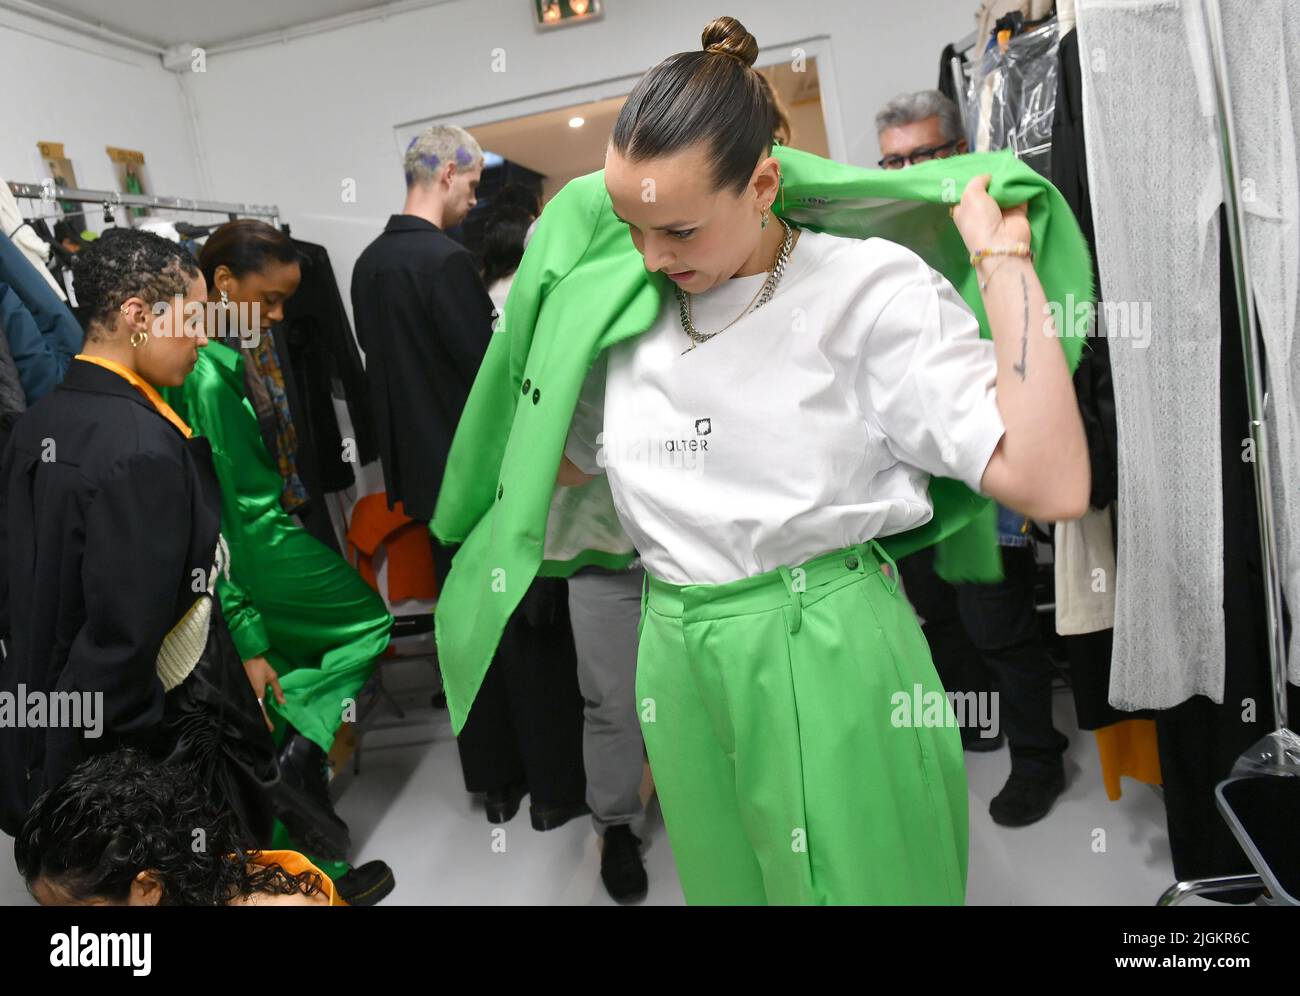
(138, 338)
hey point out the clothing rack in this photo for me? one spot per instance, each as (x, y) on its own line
(1275, 754)
(111, 200)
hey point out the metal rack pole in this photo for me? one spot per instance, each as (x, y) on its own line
(111, 198)
(1256, 397)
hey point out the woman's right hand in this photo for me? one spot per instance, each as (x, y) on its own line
(260, 675)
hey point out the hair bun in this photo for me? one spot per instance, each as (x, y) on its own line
(727, 36)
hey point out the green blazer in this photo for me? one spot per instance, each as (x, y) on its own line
(582, 286)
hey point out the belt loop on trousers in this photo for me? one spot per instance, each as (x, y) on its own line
(796, 599)
(890, 574)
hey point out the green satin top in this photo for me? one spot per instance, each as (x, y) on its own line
(285, 589)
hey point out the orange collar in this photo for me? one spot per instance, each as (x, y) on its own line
(145, 388)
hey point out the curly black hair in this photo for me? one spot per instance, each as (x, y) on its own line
(122, 813)
(124, 263)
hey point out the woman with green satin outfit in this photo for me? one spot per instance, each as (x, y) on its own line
(306, 625)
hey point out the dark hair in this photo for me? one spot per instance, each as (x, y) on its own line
(245, 245)
(713, 96)
(124, 263)
(122, 813)
(512, 210)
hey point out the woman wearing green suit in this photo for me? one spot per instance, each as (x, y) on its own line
(306, 625)
(769, 368)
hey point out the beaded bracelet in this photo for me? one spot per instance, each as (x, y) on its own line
(1019, 249)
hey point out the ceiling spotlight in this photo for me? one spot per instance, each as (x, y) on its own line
(579, 7)
(577, 122)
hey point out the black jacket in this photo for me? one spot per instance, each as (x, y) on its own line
(109, 520)
(319, 357)
(424, 320)
(1092, 378)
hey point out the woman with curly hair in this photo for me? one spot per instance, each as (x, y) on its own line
(126, 830)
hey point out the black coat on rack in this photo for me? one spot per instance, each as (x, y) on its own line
(318, 352)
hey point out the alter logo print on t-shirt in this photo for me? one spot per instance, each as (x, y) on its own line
(703, 426)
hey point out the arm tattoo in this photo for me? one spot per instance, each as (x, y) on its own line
(1024, 333)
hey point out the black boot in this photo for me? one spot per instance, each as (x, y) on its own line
(502, 804)
(1025, 800)
(550, 817)
(621, 868)
(366, 885)
(302, 801)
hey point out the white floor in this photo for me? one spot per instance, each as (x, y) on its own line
(408, 806)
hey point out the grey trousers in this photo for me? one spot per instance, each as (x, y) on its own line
(604, 609)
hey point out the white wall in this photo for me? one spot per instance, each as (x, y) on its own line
(61, 87)
(289, 123)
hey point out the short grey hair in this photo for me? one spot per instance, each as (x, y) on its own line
(435, 146)
(909, 108)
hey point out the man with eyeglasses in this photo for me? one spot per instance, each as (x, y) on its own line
(983, 635)
(917, 127)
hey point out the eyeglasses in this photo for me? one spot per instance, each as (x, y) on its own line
(916, 156)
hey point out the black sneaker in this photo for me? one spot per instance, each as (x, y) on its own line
(365, 885)
(502, 804)
(1024, 800)
(621, 868)
(302, 801)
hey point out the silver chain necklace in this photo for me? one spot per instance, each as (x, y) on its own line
(764, 295)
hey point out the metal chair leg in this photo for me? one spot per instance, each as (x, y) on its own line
(1179, 891)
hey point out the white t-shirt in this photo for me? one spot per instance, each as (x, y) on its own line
(811, 424)
(499, 291)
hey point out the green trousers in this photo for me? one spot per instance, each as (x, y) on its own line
(786, 771)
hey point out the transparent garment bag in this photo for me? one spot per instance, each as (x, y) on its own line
(1011, 96)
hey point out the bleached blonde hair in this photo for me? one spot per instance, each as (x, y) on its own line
(435, 146)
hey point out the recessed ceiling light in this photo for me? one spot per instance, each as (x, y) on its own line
(577, 122)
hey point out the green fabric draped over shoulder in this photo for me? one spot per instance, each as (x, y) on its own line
(582, 286)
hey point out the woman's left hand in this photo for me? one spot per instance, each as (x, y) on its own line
(983, 224)
(260, 674)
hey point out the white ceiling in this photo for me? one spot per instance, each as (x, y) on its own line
(171, 22)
